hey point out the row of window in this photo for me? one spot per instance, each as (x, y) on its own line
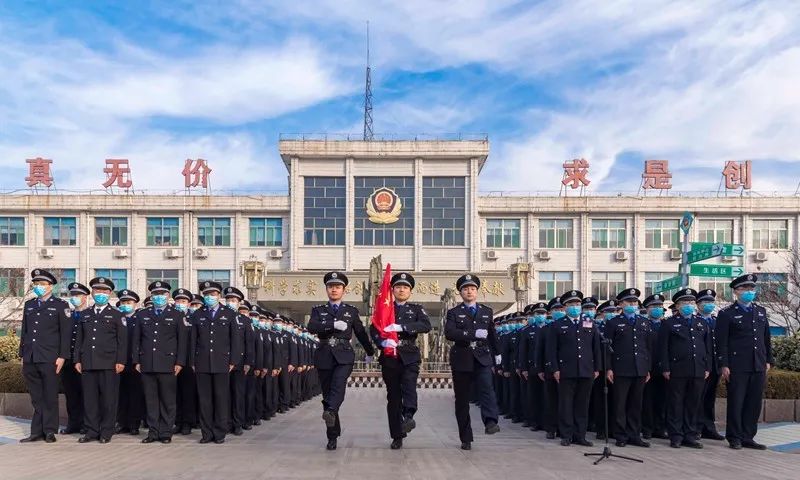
(161, 231)
(13, 281)
(505, 233)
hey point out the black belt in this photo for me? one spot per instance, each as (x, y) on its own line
(407, 342)
(336, 341)
(476, 344)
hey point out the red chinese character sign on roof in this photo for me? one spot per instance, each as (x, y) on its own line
(737, 175)
(656, 175)
(195, 173)
(575, 172)
(118, 173)
(39, 172)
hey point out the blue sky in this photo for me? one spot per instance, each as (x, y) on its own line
(616, 82)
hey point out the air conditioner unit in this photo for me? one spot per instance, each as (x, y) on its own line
(120, 253)
(728, 258)
(761, 256)
(276, 253)
(543, 255)
(174, 253)
(621, 256)
(201, 252)
(47, 252)
(491, 254)
(675, 254)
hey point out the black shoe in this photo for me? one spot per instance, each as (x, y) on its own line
(329, 417)
(50, 438)
(32, 438)
(712, 436)
(67, 431)
(257, 422)
(753, 445)
(149, 440)
(205, 440)
(661, 435)
(121, 429)
(691, 443)
(516, 420)
(186, 431)
(166, 440)
(85, 439)
(104, 440)
(247, 427)
(535, 428)
(281, 410)
(640, 443)
(83, 431)
(238, 431)
(583, 442)
(134, 431)
(176, 429)
(492, 428)
(331, 444)
(647, 436)
(550, 435)
(675, 443)
(219, 441)
(525, 424)
(409, 424)
(466, 445)
(620, 443)
(397, 444)
(735, 444)
(565, 442)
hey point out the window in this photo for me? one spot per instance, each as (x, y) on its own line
(12, 231)
(266, 232)
(721, 285)
(772, 287)
(324, 210)
(221, 276)
(552, 284)
(168, 276)
(555, 233)
(608, 234)
(443, 211)
(650, 278)
(65, 276)
(716, 231)
(12, 282)
(770, 234)
(400, 232)
(117, 275)
(163, 232)
(502, 233)
(111, 231)
(606, 285)
(661, 234)
(60, 231)
(214, 232)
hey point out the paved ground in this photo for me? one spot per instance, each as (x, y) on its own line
(292, 446)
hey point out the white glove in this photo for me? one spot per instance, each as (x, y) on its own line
(388, 343)
(481, 333)
(368, 359)
(340, 325)
(393, 328)
(498, 359)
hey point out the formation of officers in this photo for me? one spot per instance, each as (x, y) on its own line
(211, 361)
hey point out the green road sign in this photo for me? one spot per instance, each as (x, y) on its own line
(707, 251)
(728, 249)
(667, 284)
(715, 271)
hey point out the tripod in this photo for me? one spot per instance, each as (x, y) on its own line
(607, 448)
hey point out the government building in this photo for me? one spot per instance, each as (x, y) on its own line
(415, 203)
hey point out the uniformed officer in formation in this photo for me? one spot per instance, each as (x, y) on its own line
(744, 355)
(602, 399)
(706, 305)
(533, 400)
(44, 348)
(186, 403)
(400, 368)
(335, 323)
(474, 352)
(159, 353)
(242, 363)
(654, 400)
(555, 313)
(130, 410)
(70, 378)
(214, 350)
(101, 351)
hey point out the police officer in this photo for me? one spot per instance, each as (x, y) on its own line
(242, 364)
(44, 347)
(555, 313)
(186, 403)
(400, 360)
(159, 353)
(71, 379)
(255, 386)
(130, 408)
(529, 369)
(706, 304)
(284, 360)
(628, 367)
(474, 351)
(573, 357)
(685, 352)
(101, 349)
(654, 405)
(744, 354)
(214, 349)
(335, 322)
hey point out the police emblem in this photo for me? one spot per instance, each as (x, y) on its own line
(383, 206)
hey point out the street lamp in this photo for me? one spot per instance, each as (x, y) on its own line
(253, 272)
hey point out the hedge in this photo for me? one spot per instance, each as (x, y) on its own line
(11, 380)
(786, 351)
(9, 348)
(781, 384)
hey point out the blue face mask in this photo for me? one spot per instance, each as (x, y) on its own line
(39, 290)
(233, 305)
(590, 313)
(540, 319)
(100, 298)
(574, 311)
(656, 312)
(159, 300)
(687, 310)
(210, 300)
(75, 301)
(255, 322)
(532, 320)
(192, 309)
(609, 315)
(180, 307)
(558, 314)
(630, 309)
(126, 308)
(747, 296)
(277, 328)
(708, 308)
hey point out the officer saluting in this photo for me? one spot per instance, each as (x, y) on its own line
(745, 357)
(400, 372)
(100, 353)
(70, 378)
(44, 347)
(335, 322)
(159, 353)
(474, 351)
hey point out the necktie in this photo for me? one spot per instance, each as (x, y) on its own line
(473, 310)
(158, 312)
(335, 308)
(710, 321)
(632, 321)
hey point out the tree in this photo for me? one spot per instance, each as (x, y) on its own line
(782, 298)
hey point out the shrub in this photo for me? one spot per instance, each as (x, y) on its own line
(11, 380)
(786, 351)
(9, 348)
(781, 384)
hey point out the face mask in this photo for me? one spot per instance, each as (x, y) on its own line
(657, 312)
(193, 309)
(254, 321)
(574, 311)
(39, 290)
(277, 327)
(687, 310)
(590, 313)
(75, 301)
(748, 296)
(609, 315)
(708, 308)
(268, 324)
(540, 318)
(210, 300)
(558, 315)
(159, 300)
(180, 307)
(233, 306)
(531, 320)
(100, 298)
(630, 309)
(126, 308)
(262, 325)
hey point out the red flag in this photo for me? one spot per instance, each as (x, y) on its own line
(383, 315)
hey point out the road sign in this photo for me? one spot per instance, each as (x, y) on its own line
(667, 284)
(699, 270)
(686, 222)
(728, 249)
(705, 252)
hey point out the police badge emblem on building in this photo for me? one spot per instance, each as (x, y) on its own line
(384, 206)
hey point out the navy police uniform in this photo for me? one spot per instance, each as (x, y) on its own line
(70, 378)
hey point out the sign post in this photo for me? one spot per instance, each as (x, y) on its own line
(686, 224)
